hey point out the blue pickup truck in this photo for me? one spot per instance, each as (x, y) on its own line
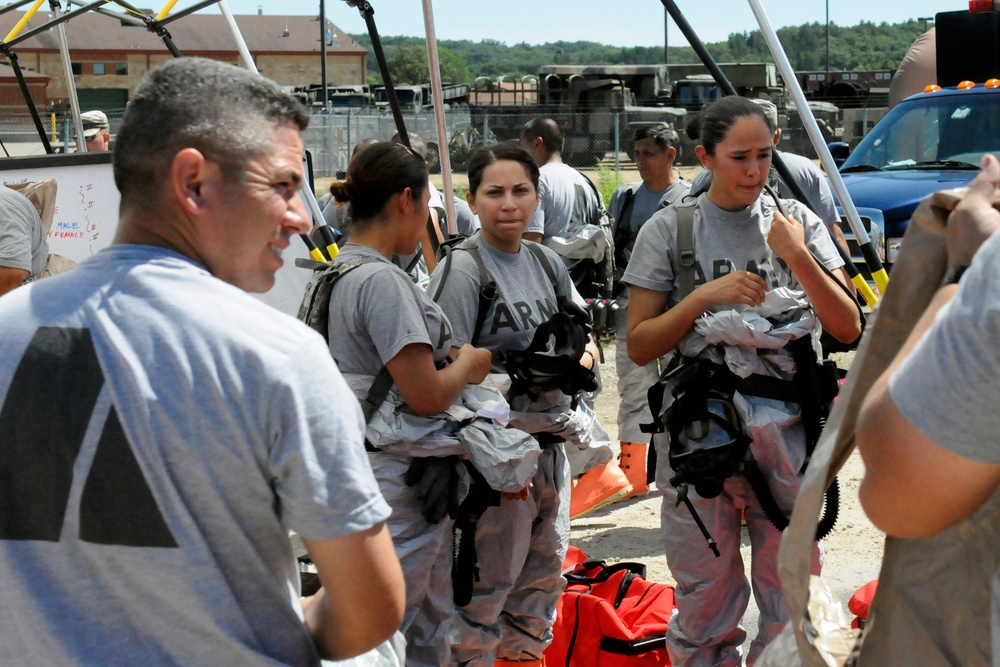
(930, 141)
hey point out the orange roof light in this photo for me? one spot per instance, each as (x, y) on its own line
(992, 83)
(932, 88)
(978, 6)
(965, 85)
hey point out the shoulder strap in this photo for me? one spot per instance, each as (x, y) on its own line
(487, 286)
(536, 250)
(684, 280)
(315, 311)
(623, 228)
(600, 210)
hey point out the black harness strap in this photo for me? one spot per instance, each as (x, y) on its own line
(315, 311)
(684, 280)
(488, 291)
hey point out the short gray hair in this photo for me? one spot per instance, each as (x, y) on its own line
(770, 110)
(225, 112)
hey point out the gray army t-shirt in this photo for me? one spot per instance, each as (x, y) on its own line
(376, 311)
(724, 241)
(566, 201)
(525, 297)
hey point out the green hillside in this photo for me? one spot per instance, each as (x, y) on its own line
(865, 46)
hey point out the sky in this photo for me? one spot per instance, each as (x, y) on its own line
(614, 22)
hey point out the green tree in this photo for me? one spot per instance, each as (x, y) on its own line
(408, 65)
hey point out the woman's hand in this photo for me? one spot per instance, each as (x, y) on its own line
(787, 238)
(738, 287)
(478, 363)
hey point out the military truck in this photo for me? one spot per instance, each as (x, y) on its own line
(417, 98)
(591, 104)
(933, 140)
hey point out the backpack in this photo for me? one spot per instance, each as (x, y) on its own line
(315, 311)
(621, 229)
(610, 616)
(595, 279)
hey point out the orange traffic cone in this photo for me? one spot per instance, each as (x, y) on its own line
(599, 486)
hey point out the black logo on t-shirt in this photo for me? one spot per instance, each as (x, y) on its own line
(775, 277)
(47, 413)
(523, 317)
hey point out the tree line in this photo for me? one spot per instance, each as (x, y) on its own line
(866, 46)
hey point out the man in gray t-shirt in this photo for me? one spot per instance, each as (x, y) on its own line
(566, 201)
(23, 248)
(632, 205)
(162, 432)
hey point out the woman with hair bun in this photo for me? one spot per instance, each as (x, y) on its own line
(380, 319)
(760, 279)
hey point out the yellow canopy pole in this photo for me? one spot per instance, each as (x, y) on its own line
(166, 10)
(24, 21)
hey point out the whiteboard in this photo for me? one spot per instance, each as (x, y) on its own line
(86, 216)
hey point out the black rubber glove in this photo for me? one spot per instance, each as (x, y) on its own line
(436, 480)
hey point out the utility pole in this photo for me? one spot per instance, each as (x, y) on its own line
(666, 37)
(322, 52)
(827, 79)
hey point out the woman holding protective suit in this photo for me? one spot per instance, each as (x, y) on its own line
(729, 280)
(521, 542)
(382, 324)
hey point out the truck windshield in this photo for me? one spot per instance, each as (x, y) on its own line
(949, 131)
(404, 96)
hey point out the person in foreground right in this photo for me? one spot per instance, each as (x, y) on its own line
(927, 429)
(756, 286)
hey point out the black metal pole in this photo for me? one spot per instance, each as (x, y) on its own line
(728, 89)
(13, 5)
(12, 57)
(54, 22)
(368, 13)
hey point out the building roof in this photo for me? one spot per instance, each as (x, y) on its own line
(201, 32)
(7, 74)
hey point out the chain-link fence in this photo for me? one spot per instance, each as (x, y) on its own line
(19, 135)
(591, 138)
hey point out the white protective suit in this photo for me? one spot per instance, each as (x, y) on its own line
(712, 593)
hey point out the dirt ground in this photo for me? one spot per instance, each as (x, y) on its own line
(630, 530)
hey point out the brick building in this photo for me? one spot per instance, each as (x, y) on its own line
(109, 58)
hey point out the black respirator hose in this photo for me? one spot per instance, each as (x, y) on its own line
(774, 514)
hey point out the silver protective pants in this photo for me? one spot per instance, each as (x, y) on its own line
(712, 593)
(521, 545)
(633, 382)
(425, 553)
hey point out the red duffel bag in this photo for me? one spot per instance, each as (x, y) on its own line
(610, 616)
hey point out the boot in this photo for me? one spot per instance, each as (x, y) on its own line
(632, 461)
(599, 486)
